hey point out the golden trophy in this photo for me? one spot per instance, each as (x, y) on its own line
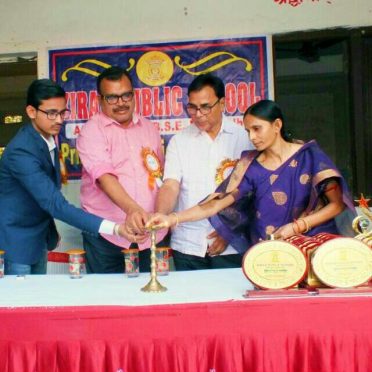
(362, 222)
(274, 265)
(330, 263)
(345, 264)
(153, 285)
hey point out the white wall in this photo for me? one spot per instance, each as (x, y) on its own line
(35, 25)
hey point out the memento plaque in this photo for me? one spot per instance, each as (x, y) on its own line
(343, 263)
(274, 264)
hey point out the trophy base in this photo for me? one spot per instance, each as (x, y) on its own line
(366, 290)
(153, 286)
(270, 293)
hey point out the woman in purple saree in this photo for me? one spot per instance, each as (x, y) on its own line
(281, 189)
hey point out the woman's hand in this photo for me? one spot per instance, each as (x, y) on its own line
(161, 221)
(284, 232)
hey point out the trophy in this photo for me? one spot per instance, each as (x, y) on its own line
(153, 285)
(334, 264)
(345, 264)
(362, 222)
(274, 265)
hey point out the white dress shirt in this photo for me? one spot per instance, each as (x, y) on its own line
(192, 159)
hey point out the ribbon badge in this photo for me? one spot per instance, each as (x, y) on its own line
(153, 167)
(224, 170)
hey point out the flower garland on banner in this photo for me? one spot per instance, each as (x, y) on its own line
(295, 3)
(153, 166)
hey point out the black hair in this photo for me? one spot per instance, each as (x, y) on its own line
(207, 80)
(113, 73)
(43, 89)
(269, 111)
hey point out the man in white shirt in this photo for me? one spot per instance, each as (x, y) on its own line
(197, 160)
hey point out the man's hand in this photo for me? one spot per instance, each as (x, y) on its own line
(218, 246)
(136, 216)
(136, 221)
(128, 234)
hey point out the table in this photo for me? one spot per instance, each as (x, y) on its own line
(105, 323)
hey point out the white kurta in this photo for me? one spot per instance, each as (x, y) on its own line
(192, 158)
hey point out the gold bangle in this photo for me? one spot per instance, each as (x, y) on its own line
(177, 219)
(307, 225)
(295, 222)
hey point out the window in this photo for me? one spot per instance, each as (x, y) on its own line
(16, 74)
(318, 79)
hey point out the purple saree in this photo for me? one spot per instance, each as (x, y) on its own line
(266, 200)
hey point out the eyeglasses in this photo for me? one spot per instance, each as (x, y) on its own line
(113, 99)
(204, 109)
(52, 115)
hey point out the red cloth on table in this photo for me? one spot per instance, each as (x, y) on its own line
(310, 334)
